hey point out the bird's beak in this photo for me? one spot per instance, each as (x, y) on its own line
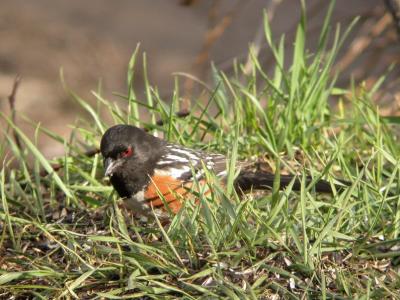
(109, 165)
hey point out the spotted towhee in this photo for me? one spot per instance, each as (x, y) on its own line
(142, 167)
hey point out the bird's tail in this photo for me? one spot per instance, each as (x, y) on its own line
(262, 180)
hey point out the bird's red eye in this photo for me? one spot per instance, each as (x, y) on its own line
(128, 152)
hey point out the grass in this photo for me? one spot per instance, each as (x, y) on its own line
(65, 234)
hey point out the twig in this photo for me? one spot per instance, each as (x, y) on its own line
(187, 2)
(180, 114)
(259, 37)
(368, 33)
(268, 60)
(393, 6)
(56, 167)
(214, 32)
(11, 101)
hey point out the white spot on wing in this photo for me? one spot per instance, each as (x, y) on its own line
(165, 162)
(174, 172)
(222, 173)
(176, 158)
(199, 174)
(186, 152)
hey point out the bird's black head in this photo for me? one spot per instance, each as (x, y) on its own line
(128, 149)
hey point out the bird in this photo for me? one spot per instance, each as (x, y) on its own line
(142, 167)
